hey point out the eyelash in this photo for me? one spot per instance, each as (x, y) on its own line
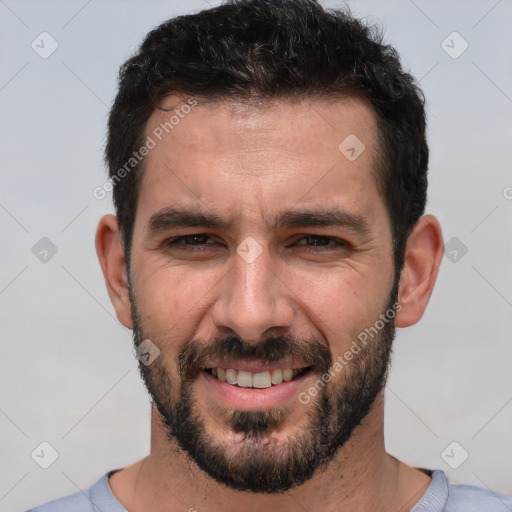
(338, 242)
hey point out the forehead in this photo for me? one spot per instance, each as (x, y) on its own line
(301, 126)
(245, 157)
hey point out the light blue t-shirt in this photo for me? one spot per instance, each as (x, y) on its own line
(440, 496)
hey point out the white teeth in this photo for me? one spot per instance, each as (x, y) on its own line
(287, 374)
(244, 379)
(277, 376)
(260, 380)
(231, 376)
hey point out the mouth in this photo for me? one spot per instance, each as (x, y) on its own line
(249, 384)
(257, 380)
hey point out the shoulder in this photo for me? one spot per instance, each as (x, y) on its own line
(468, 498)
(443, 496)
(77, 502)
(97, 498)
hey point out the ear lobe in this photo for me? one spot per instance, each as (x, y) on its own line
(423, 256)
(110, 251)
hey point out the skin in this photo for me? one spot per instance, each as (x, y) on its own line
(246, 164)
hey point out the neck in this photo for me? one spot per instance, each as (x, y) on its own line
(362, 477)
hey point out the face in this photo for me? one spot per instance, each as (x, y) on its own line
(261, 256)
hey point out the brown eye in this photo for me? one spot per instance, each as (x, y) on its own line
(323, 242)
(188, 240)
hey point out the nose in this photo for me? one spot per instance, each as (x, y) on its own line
(253, 299)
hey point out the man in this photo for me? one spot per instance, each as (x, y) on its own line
(268, 163)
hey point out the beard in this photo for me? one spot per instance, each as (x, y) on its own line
(254, 461)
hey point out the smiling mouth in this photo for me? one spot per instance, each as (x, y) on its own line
(260, 380)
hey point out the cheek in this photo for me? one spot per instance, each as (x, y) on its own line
(170, 301)
(343, 303)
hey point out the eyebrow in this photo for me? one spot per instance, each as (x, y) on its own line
(335, 217)
(169, 218)
(177, 217)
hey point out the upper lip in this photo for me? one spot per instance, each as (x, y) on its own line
(254, 366)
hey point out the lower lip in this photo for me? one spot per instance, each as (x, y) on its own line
(253, 398)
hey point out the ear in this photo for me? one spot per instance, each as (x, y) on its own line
(110, 251)
(423, 256)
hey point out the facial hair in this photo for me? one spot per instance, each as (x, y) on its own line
(258, 464)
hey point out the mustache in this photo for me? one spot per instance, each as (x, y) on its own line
(308, 352)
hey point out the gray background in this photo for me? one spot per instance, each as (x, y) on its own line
(67, 368)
